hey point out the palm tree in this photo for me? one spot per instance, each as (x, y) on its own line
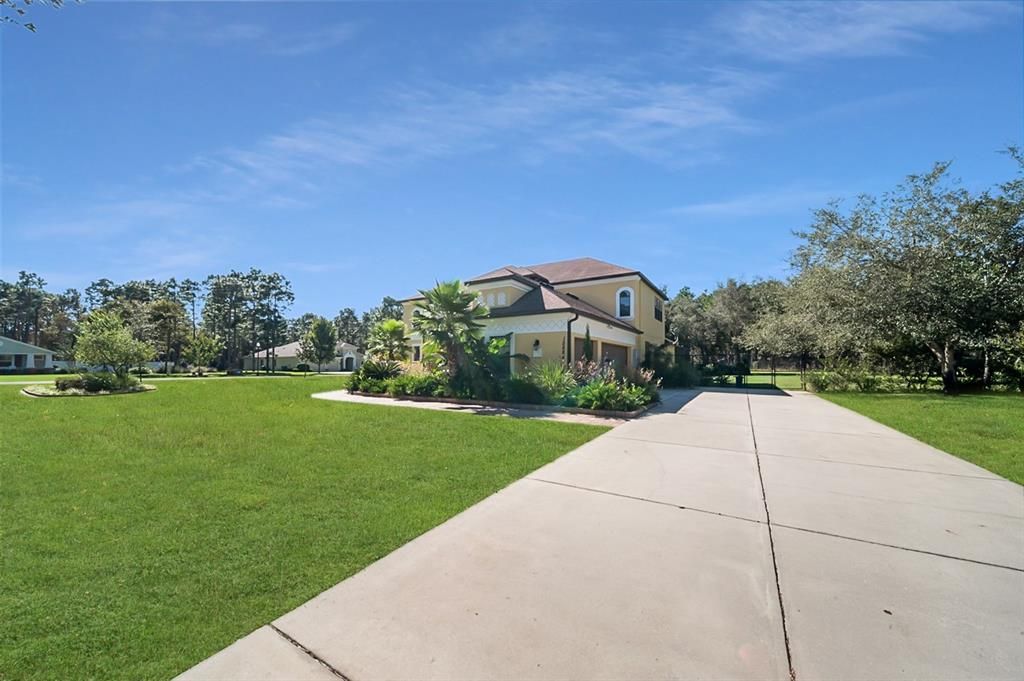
(387, 340)
(449, 316)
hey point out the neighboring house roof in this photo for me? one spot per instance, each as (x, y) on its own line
(10, 346)
(292, 349)
(544, 300)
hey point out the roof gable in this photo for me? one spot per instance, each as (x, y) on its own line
(10, 346)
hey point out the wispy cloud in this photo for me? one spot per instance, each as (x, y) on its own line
(536, 36)
(674, 123)
(780, 201)
(794, 31)
(165, 26)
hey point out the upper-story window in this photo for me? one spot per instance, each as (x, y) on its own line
(490, 300)
(658, 314)
(501, 298)
(624, 302)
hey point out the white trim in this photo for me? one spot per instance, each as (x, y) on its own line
(538, 323)
(500, 283)
(632, 303)
(604, 332)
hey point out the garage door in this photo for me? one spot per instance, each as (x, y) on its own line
(616, 354)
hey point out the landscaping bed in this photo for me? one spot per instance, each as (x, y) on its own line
(53, 391)
(89, 384)
(608, 413)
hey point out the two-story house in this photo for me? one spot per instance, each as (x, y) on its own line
(545, 310)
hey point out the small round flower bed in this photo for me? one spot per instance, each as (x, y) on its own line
(87, 385)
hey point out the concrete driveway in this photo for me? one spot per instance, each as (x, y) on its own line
(736, 536)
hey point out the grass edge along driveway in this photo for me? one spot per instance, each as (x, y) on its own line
(142, 533)
(986, 429)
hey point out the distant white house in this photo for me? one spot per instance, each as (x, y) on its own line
(16, 356)
(285, 357)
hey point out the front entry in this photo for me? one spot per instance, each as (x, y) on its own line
(350, 363)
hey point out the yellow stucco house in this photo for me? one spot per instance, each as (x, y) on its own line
(544, 310)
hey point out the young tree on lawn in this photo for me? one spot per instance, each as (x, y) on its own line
(387, 341)
(104, 340)
(450, 316)
(202, 350)
(320, 344)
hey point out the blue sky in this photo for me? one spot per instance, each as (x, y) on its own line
(369, 149)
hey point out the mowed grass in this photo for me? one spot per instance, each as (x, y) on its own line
(142, 533)
(985, 429)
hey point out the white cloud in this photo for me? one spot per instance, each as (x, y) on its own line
(165, 26)
(795, 31)
(780, 201)
(675, 123)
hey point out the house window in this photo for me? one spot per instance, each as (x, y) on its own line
(501, 298)
(39, 361)
(658, 314)
(490, 300)
(624, 299)
(6, 361)
(538, 351)
(415, 353)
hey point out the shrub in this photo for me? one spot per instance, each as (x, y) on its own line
(70, 383)
(611, 395)
(646, 381)
(301, 367)
(422, 385)
(380, 369)
(827, 381)
(554, 380)
(523, 389)
(679, 375)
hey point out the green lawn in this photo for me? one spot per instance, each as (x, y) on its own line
(142, 533)
(986, 429)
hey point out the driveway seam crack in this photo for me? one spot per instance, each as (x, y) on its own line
(771, 544)
(646, 500)
(888, 468)
(310, 653)
(900, 548)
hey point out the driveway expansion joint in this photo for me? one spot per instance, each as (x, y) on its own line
(900, 548)
(646, 500)
(771, 544)
(309, 653)
(991, 478)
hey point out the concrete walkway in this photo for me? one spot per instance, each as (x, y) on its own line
(747, 536)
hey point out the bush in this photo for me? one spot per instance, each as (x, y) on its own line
(611, 395)
(523, 389)
(301, 367)
(95, 382)
(554, 380)
(70, 383)
(380, 369)
(827, 381)
(422, 385)
(646, 381)
(373, 376)
(679, 375)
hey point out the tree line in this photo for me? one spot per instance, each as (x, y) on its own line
(926, 280)
(244, 312)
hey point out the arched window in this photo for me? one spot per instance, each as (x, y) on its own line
(624, 303)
